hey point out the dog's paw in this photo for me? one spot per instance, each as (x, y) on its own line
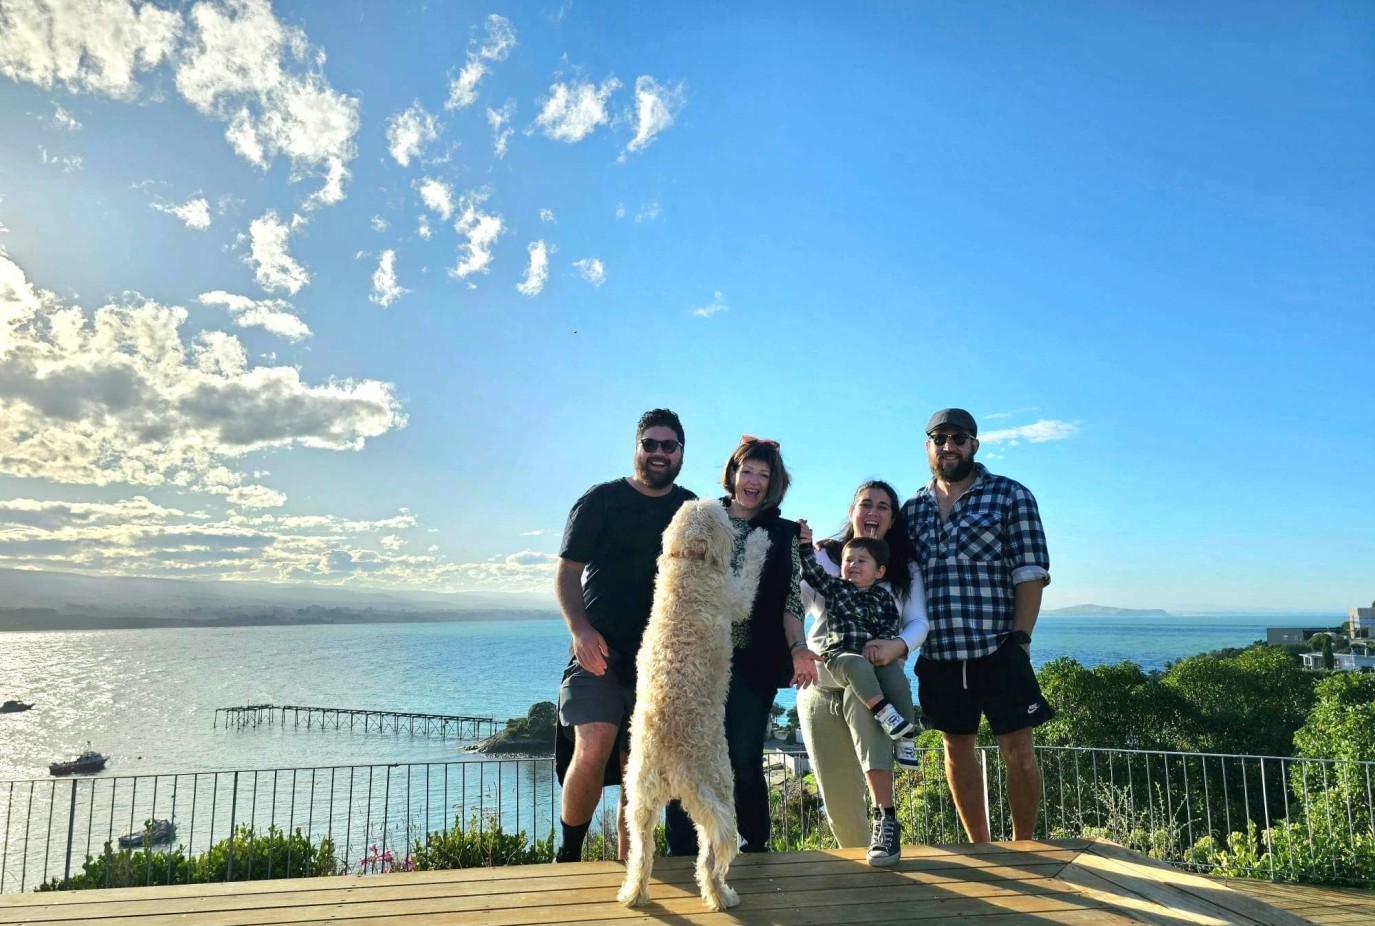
(632, 896)
(728, 896)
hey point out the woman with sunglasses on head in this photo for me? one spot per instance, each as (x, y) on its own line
(847, 747)
(770, 647)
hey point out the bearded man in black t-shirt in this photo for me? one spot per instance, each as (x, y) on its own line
(605, 588)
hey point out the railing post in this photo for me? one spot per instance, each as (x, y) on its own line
(233, 806)
(983, 770)
(71, 825)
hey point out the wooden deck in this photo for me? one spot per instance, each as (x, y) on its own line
(1069, 881)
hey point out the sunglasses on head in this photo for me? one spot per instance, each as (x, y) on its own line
(650, 445)
(762, 441)
(958, 438)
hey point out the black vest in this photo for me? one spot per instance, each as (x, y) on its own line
(766, 663)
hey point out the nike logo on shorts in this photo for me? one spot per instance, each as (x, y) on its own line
(1033, 708)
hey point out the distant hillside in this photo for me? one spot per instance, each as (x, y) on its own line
(37, 600)
(1107, 611)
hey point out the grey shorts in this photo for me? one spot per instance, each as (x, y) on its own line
(587, 698)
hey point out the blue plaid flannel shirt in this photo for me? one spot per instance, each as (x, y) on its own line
(970, 563)
(854, 615)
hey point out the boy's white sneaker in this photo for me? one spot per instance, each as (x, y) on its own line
(905, 751)
(893, 723)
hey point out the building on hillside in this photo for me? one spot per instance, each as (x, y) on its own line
(1341, 662)
(791, 757)
(1360, 623)
(1278, 635)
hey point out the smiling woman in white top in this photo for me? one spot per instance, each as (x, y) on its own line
(847, 747)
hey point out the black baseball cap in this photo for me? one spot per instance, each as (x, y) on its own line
(953, 418)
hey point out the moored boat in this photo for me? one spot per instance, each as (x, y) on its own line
(88, 761)
(14, 707)
(153, 832)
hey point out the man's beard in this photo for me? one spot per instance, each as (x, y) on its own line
(961, 469)
(656, 478)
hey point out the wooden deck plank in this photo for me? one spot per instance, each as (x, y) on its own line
(1326, 905)
(1071, 882)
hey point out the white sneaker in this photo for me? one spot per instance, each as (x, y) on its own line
(893, 723)
(905, 751)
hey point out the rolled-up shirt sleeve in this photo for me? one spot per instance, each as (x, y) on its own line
(1027, 552)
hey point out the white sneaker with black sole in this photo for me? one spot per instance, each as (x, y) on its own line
(893, 723)
(905, 752)
(887, 842)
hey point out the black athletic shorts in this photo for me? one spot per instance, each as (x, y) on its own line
(1001, 686)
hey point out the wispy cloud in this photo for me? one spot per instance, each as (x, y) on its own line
(64, 120)
(501, 38)
(546, 215)
(409, 132)
(715, 307)
(500, 122)
(68, 163)
(656, 107)
(379, 224)
(273, 315)
(385, 289)
(537, 272)
(592, 270)
(437, 196)
(194, 213)
(480, 231)
(273, 268)
(648, 212)
(1038, 432)
(572, 112)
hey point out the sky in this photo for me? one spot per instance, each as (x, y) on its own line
(367, 295)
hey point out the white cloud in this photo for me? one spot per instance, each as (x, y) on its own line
(500, 122)
(422, 227)
(379, 224)
(592, 270)
(116, 396)
(194, 213)
(1037, 432)
(546, 215)
(537, 272)
(527, 571)
(68, 163)
(620, 210)
(84, 45)
(481, 230)
(656, 106)
(273, 268)
(715, 307)
(409, 132)
(270, 314)
(237, 68)
(437, 196)
(392, 542)
(385, 289)
(255, 496)
(648, 212)
(501, 38)
(571, 112)
(64, 120)
(535, 533)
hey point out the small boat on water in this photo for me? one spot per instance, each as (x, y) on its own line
(14, 707)
(154, 832)
(88, 761)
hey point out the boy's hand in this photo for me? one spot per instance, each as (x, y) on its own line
(804, 533)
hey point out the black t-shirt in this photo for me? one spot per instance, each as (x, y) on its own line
(618, 532)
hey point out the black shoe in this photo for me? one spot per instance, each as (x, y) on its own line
(887, 842)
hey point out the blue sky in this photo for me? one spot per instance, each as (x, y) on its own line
(369, 295)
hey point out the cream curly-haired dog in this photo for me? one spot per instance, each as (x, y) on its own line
(678, 738)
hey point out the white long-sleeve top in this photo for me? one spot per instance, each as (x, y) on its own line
(914, 623)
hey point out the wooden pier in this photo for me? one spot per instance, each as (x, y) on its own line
(357, 721)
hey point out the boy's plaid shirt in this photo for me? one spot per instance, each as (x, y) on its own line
(854, 615)
(971, 562)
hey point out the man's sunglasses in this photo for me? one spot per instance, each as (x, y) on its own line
(958, 439)
(650, 445)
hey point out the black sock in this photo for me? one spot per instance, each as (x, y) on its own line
(571, 850)
(882, 703)
(889, 812)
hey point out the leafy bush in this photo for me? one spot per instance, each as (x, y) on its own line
(480, 844)
(253, 856)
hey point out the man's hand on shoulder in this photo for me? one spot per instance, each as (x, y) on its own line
(591, 649)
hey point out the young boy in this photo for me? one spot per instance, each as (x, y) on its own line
(857, 611)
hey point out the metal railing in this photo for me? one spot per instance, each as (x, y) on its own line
(1278, 818)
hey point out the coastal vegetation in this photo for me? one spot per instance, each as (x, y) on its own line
(532, 734)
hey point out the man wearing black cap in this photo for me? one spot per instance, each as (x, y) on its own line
(982, 553)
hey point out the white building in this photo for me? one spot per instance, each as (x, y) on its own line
(1341, 662)
(1360, 623)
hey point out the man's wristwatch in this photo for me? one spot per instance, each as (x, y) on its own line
(1020, 637)
(800, 644)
